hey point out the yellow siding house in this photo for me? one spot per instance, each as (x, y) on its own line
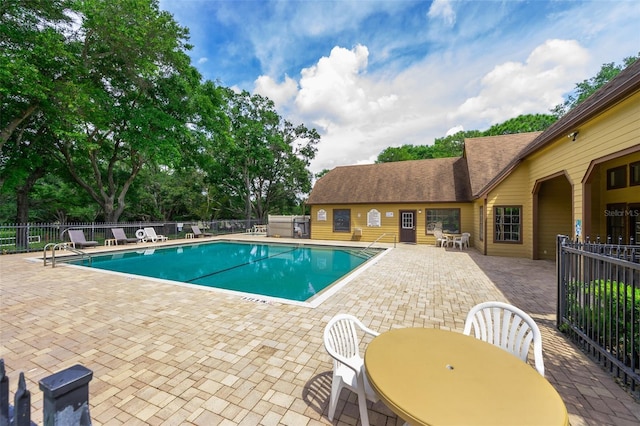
(513, 193)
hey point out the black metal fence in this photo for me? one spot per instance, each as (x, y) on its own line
(66, 398)
(599, 304)
(28, 237)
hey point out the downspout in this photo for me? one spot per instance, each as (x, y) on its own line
(486, 221)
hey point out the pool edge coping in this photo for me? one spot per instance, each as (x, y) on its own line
(313, 302)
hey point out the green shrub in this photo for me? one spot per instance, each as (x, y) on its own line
(608, 312)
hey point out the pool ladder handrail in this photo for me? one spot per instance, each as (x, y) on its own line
(367, 252)
(64, 246)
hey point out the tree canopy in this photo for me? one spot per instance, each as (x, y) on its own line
(453, 145)
(100, 102)
(103, 117)
(586, 88)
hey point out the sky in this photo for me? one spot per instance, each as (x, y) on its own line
(373, 74)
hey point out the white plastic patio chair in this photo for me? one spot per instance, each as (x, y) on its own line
(462, 241)
(507, 327)
(441, 240)
(341, 340)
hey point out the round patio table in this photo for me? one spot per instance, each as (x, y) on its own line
(437, 377)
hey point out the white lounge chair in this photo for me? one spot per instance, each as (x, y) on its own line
(341, 341)
(507, 327)
(150, 234)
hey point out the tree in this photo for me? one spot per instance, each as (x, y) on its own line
(34, 64)
(452, 145)
(321, 173)
(178, 194)
(404, 153)
(58, 199)
(448, 146)
(587, 87)
(262, 161)
(34, 59)
(104, 97)
(131, 92)
(521, 124)
(25, 163)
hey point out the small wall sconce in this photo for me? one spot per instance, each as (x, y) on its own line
(420, 211)
(573, 136)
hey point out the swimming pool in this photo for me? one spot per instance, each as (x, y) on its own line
(282, 271)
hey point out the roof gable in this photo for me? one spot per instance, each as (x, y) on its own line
(488, 156)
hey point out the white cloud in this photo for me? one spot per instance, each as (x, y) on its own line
(331, 89)
(399, 77)
(537, 85)
(442, 9)
(281, 94)
(202, 60)
(359, 113)
(454, 130)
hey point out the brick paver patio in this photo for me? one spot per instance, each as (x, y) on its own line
(164, 354)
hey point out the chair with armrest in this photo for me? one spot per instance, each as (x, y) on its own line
(441, 240)
(507, 327)
(341, 340)
(462, 241)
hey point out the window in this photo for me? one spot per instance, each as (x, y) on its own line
(448, 218)
(634, 173)
(617, 177)
(508, 224)
(616, 221)
(407, 220)
(342, 220)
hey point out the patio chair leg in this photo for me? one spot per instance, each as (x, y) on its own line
(336, 387)
(362, 403)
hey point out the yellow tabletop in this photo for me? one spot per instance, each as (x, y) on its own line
(437, 377)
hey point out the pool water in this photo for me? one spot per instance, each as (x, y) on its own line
(292, 272)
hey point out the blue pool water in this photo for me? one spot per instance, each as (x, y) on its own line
(284, 271)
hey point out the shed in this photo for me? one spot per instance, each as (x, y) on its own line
(289, 226)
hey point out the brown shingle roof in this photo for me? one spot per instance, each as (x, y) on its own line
(488, 156)
(434, 180)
